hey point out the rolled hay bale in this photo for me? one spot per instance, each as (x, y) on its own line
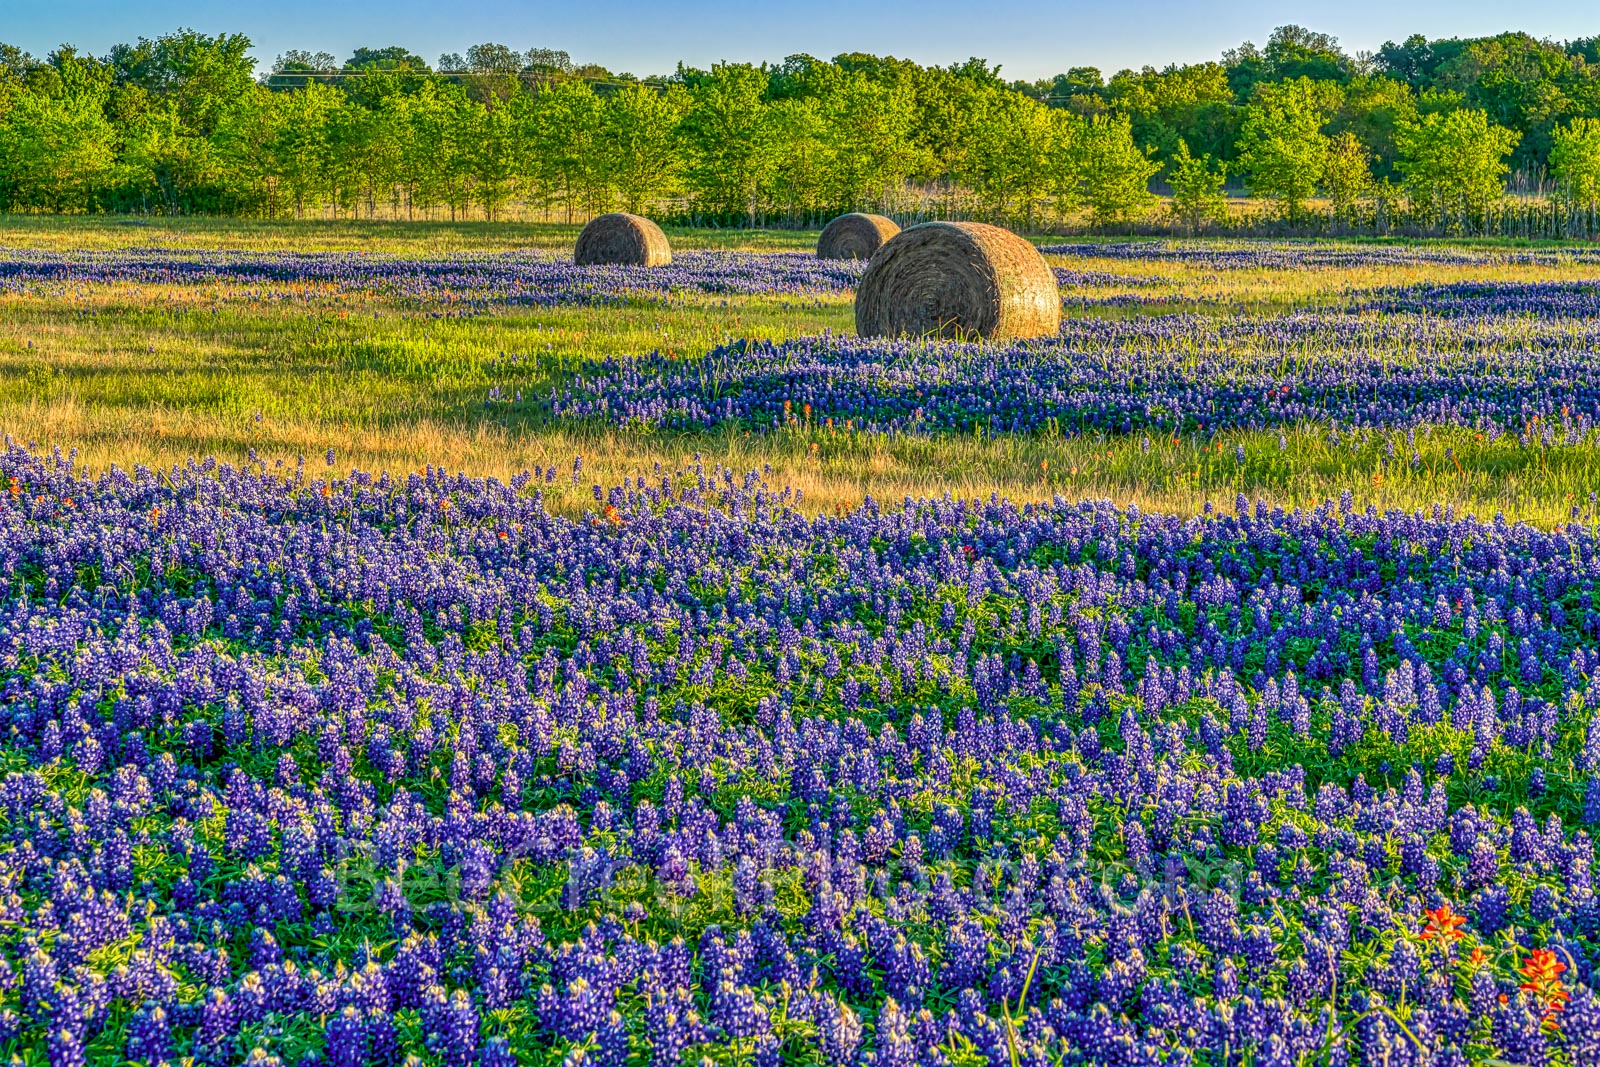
(632, 240)
(958, 280)
(855, 236)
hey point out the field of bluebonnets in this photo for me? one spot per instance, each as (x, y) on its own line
(1214, 683)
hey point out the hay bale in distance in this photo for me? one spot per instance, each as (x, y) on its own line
(855, 236)
(632, 240)
(958, 280)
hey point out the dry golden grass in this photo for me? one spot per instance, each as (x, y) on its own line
(156, 374)
(836, 470)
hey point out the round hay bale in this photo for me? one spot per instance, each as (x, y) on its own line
(958, 280)
(632, 240)
(855, 236)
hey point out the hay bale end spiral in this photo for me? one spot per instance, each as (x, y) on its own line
(958, 280)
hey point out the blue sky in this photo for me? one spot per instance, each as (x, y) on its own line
(1029, 39)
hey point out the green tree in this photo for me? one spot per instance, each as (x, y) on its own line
(394, 57)
(1296, 52)
(1064, 161)
(796, 187)
(15, 64)
(1519, 82)
(801, 77)
(179, 124)
(494, 70)
(1454, 162)
(492, 58)
(869, 127)
(1197, 196)
(1373, 108)
(948, 112)
(373, 74)
(1575, 162)
(360, 156)
(490, 140)
(729, 138)
(1114, 173)
(169, 169)
(638, 127)
(548, 62)
(1191, 105)
(1347, 175)
(299, 149)
(1411, 62)
(1527, 85)
(56, 150)
(297, 68)
(452, 180)
(564, 129)
(425, 153)
(1081, 90)
(1281, 144)
(246, 146)
(1007, 162)
(201, 77)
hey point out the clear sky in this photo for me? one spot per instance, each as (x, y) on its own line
(1029, 38)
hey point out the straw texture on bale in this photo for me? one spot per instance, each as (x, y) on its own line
(855, 236)
(958, 280)
(631, 240)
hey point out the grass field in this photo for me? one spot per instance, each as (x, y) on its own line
(327, 756)
(149, 373)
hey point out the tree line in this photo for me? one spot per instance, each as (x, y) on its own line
(1424, 130)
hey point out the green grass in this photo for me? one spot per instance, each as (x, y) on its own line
(347, 235)
(154, 375)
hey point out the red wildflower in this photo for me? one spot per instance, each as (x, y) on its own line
(1541, 969)
(1443, 924)
(1542, 973)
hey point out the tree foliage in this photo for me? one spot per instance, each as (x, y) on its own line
(1454, 162)
(1281, 144)
(180, 124)
(1197, 193)
(1114, 172)
(1575, 162)
(1347, 174)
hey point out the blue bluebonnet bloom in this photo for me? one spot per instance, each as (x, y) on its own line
(1521, 361)
(318, 764)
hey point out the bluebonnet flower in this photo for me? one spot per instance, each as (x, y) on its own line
(1004, 790)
